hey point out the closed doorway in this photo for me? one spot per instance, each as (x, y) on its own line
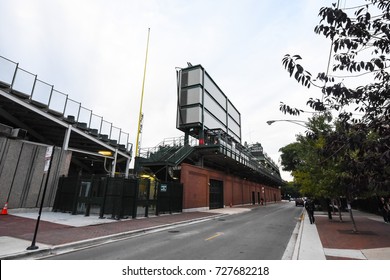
(216, 194)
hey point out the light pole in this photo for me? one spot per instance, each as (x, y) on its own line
(298, 122)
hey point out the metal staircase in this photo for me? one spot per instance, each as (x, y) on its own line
(171, 151)
(176, 158)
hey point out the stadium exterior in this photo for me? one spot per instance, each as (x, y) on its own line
(208, 167)
(215, 169)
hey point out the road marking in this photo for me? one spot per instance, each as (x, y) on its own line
(214, 236)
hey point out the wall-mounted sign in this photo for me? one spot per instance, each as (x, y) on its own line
(48, 154)
(163, 188)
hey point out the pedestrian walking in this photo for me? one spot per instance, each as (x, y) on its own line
(384, 209)
(388, 210)
(329, 208)
(309, 206)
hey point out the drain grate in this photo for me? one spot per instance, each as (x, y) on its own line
(174, 231)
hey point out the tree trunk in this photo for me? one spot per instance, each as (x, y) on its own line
(352, 219)
(339, 208)
(350, 198)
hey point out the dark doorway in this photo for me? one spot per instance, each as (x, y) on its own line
(253, 198)
(216, 194)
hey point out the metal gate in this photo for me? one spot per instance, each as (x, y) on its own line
(100, 194)
(216, 194)
(117, 197)
(170, 197)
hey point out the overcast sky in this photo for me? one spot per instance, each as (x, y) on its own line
(94, 50)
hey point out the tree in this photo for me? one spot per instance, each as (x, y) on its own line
(290, 190)
(360, 144)
(305, 159)
(291, 156)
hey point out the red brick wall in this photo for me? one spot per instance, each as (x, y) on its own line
(237, 191)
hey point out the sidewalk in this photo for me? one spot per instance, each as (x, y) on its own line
(61, 232)
(371, 242)
(335, 239)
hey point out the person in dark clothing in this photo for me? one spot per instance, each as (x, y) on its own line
(309, 205)
(388, 210)
(384, 209)
(329, 208)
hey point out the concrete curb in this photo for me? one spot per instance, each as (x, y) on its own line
(297, 246)
(290, 249)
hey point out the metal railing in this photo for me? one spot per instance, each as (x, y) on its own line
(27, 86)
(166, 146)
(173, 149)
(245, 157)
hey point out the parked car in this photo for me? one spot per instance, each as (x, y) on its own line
(299, 202)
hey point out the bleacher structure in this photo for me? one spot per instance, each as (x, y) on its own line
(35, 115)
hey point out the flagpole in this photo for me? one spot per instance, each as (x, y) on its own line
(142, 98)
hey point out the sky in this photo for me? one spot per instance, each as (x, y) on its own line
(94, 51)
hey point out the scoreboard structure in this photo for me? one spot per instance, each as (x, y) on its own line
(202, 106)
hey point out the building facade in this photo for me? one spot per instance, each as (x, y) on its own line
(205, 189)
(214, 167)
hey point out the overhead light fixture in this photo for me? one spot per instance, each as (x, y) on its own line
(105, 153)
(148, 176)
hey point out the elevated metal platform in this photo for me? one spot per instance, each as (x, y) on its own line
(217, 152)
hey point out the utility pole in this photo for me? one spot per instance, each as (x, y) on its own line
(48, 163)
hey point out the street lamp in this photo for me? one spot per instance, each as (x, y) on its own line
(298, 122)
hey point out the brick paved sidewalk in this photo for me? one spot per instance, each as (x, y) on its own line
(373, 234)
(57, 234)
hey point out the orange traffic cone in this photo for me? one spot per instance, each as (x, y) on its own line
(5, 209)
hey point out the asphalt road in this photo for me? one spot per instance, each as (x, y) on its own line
(260, 234)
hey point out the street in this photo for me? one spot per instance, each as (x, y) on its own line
(260, 234)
